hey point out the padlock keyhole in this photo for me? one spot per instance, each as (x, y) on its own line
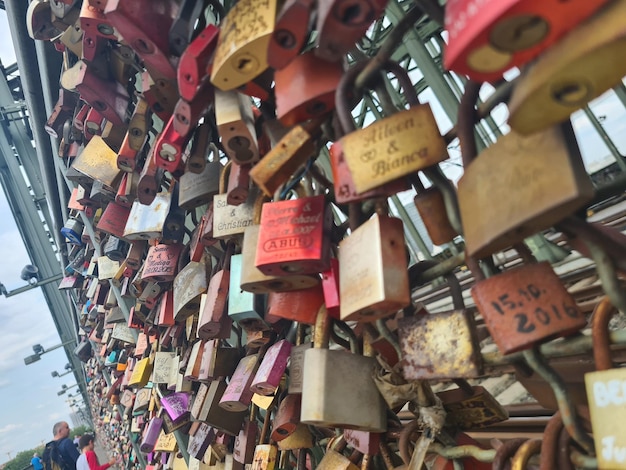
(572, 93)
(285, 39)
(353, 13)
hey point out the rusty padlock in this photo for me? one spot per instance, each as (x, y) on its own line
(572, 72)
(531, 298)
(425, 341)
(293, 24)
(305, 89)
(432, 210)
(395, 146)
(487, 39)
(341, 23)
(235, 124)
(147, 221)
(531, 193)
(605, 389)
(241, 52)
(370, 290)
(294, 237)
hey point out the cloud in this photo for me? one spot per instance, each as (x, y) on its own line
(10, 427)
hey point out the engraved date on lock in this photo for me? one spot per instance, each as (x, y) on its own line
(526, 311)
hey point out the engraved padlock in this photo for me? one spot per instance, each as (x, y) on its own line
(231, 220)
(189, 284)
(238, 396)
(532, 193)
(241, 53)
(161, 262)
(488, 39)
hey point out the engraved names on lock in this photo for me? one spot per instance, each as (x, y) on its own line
(393, 147)
(291, 237)
(162, 367)
(244, 38)
(231, 220)
(161, 263)
(607, 399)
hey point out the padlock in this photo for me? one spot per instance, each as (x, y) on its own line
(243, 451)
(196, 189)
(161, 95)
(174, 226)
(287, 417)
(284, 159)
(200, 441)
(470, 407)
(218, 361)
(114, 219)
(142, 25)
(341, 23)
(62, 111)
(265, 454)
(327, 399)
(298, 305)
(39, 23)
(190, 283)
(226, 421)
(293, 237)
(330, 288)
(257, 338)
(136, 136)
(305, 89)
(166, 309)
(122, 60)
(151, 435)
(96, 30)
(213, 318)
(525, 306)
(605, 391)
(370, 290)
(301, 438)
(115, 249)
(246, 308)
(531, 193)
(169, 147)
(149, 181)
(432, 210)
(194, 62)
(109, 98)
(140, 373)
(290, 32)
(333, 460)
(127, 190)
(425, 342)
(135, 254)
(238, 186)
(241, 52)
(176, 406)
(147, 221)
(395, 146)
(230, 221)
(488, 39)
(93, 124)
(72, 230)
(296, 361)
(568, 75)
(365, 442)
(161, 262)
(235, 124)
(238, 396)
(161, 366)
(271, 369)
(113, 135)
(182, 29)
(253, 280)
(97, 161)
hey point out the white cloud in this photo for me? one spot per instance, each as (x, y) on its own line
(10, 427)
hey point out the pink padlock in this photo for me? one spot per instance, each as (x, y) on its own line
(272, 368)
(238, 396)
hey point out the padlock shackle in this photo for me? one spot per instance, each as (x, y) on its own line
(346, 87)
(525, 452)
(466, 119)
(549, 449)
(323, 324)
(224, 177)
(506, 451)
(600, 333)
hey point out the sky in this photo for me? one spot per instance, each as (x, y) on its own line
(29, 404)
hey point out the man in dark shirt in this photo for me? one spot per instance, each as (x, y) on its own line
(68, 450)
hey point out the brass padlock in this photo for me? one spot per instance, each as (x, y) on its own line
(235, 124)
(395, 146)
(305, 89)
(265, 454)
(241, 53)
(488, 39)
(327, 398)
(541, 180)
(97, 161)
(432, 210)
(470, 407)
(424, 341)
(136, 136)
(572, 72)
(368, 289)
(605, 389)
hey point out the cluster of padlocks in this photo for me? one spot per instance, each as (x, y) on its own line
(248, 298)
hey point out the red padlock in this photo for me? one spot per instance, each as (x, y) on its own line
(113, 219)
(149, 181)
(488, 37)
(110, 99)
(290, 32)
(330, 286)
(127, 190)
(194, 65)
(305, 89)
(298, 305)
(93, 124)
(161, 263)
(168, 148)
(293, 237)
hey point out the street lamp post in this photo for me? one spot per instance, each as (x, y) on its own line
(39, 351)
(65, 388)
(68, 368)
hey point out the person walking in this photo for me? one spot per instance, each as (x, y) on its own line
(36, 462)
(61, 449)
(88, 460)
